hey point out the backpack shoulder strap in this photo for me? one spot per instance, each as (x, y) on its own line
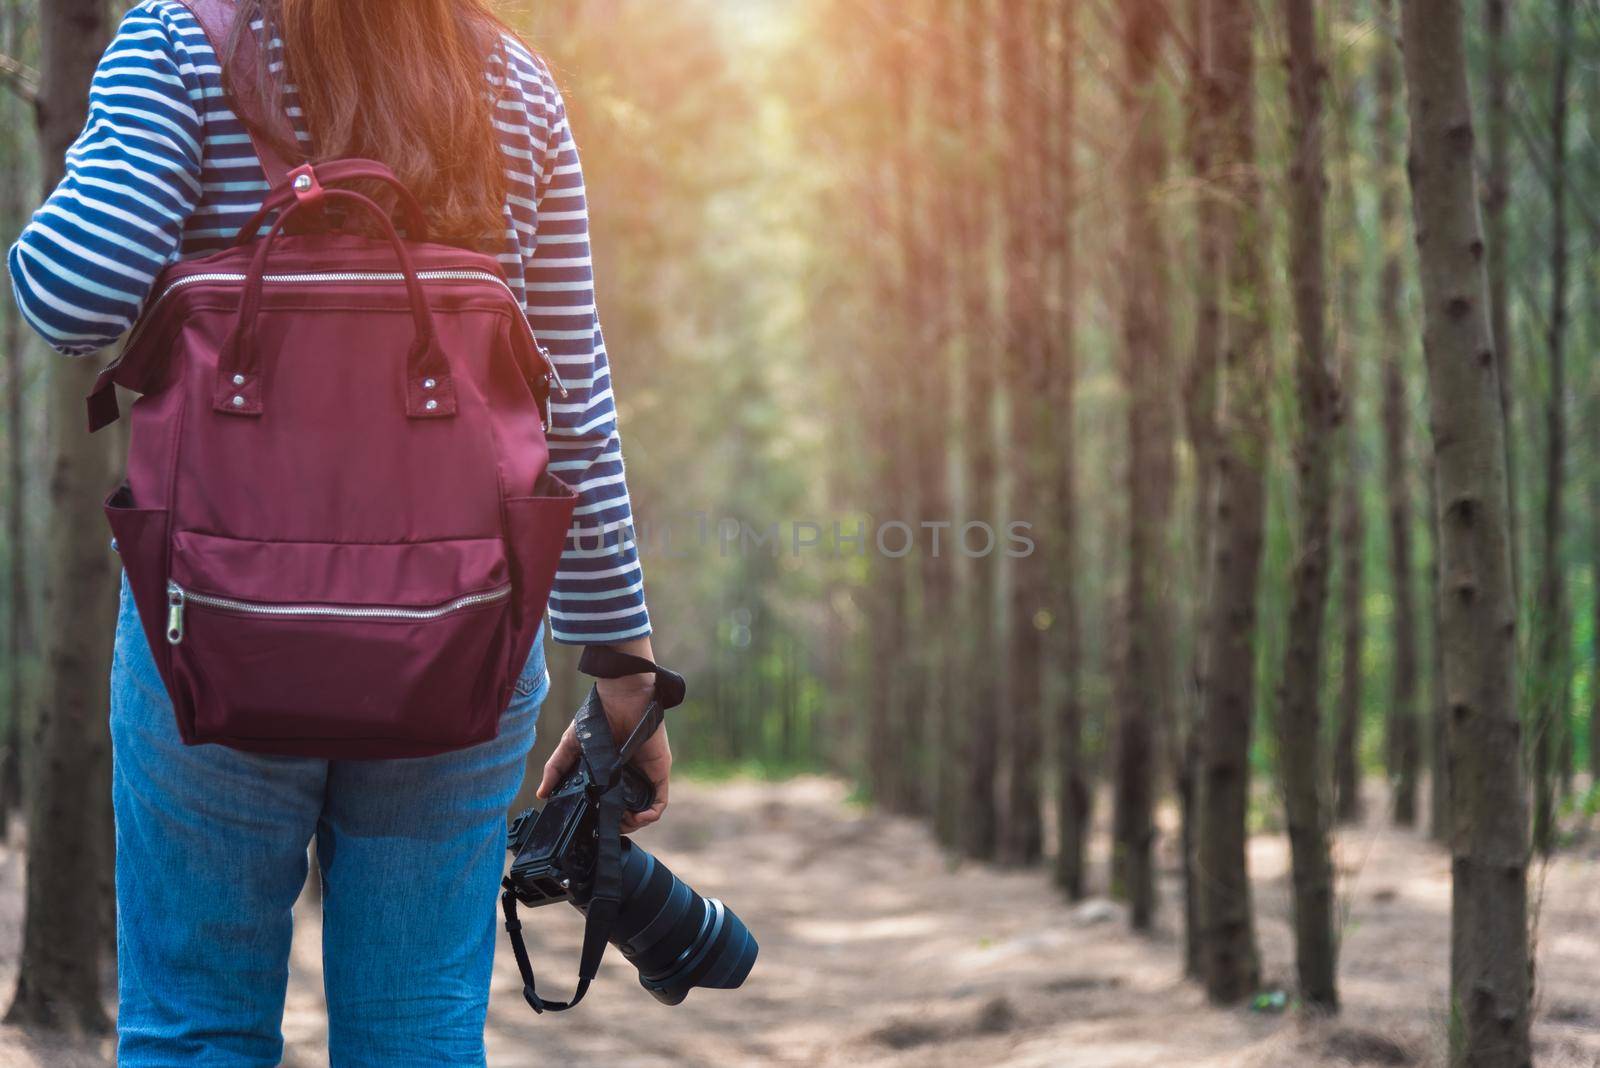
(216, 18)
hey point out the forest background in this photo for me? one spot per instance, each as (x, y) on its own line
(1133, 289)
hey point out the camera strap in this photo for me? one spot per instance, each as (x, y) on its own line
(605, 762)
(600, 915)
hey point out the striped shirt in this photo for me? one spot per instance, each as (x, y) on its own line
(164, 170)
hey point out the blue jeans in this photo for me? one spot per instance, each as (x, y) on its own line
(211, 854)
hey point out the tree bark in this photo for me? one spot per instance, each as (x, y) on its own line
(939, 575)
(1440, 817)
(1489, 967)
(886, 743)
(981, 824)
(11, 747)
(19, 628)
(899, 724)
(889, 751)
(1591, 304)
(1230, 963)
(1072, 787)
(1200, 425)
(920, 492)
(1497, 235)
(1022, 835)
(1594, 688)
(1300, 720)
(1352, 533)
(1550, 686)
(1403, 746)
(64, 941)
(1146, 691)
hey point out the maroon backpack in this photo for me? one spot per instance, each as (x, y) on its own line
(337, 524)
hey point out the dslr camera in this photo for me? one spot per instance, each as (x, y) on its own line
(571, 850)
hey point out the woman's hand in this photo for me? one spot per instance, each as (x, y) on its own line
(624, 700)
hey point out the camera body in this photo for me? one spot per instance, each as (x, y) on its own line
(676, 939)
(572, 850)
(554, 847)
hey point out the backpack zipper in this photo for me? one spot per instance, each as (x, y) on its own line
(551, 375)
(179, 598)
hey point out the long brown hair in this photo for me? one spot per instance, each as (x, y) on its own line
(399, 81)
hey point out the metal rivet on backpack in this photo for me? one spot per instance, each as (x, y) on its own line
(238, 380)
(302, 183)
(431, 405)
(429, 383)
(238, 401)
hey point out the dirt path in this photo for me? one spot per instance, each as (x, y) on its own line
(875, 950)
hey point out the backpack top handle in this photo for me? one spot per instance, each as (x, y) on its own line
(429, 391)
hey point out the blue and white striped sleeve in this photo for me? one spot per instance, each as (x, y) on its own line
(599, 589)
(84, 265)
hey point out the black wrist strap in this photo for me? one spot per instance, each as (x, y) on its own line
(605, 761)
(604, 662)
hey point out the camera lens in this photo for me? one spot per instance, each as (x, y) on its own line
(677, 939)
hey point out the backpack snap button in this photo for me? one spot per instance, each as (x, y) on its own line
(428, 383)
(238, 380)
(431, 405)
(238, 401)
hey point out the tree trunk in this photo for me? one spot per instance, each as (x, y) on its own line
(918, 493)
(1300, 721)
(11, 747)
(1550, 688)
(1022, 835)
(1230, 963)
(1403, 749)
(1072, 787)
(19, 626)
(981, 824)
(1489, 967)
(1591, 302)
(1497, 235)
(1145, 689)
(893, 750)
(1439, 822)
(939, 576)
(1594, 687)
(886, 745)
(64, 941)
(935, 665)
(886, 585)
(1566, 733)
(1352, 513)
(1200, 424)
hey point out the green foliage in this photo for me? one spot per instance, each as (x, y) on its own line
(713, 772)
(735, 156)
(1272, 1003)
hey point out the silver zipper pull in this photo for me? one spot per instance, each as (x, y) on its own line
(175, 600)
(550, 374)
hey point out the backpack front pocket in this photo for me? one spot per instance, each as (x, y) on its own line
(139, 535)
(316, 644)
